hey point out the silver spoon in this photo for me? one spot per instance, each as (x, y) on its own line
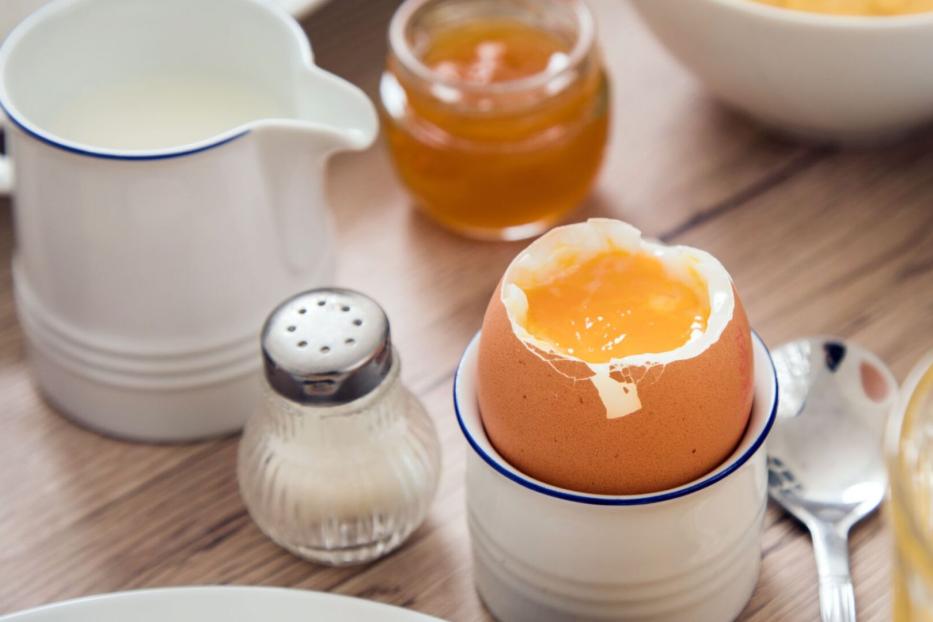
(825, 463)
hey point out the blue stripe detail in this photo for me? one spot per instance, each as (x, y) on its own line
(165, 155)
(623, 500)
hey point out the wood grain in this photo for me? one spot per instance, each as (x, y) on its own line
(818, 241)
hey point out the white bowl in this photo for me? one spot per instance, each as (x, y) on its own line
(828, 77)
(545, 553)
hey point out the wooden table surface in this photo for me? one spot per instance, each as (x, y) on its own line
(818, 240)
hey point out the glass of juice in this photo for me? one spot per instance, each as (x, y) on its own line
(909, 452)
(495, 111)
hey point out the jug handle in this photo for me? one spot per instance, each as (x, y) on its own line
(6, 176)
(6, 166)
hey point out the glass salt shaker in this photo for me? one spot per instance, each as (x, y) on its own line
(341, 462)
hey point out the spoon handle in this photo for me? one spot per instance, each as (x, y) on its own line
(837, 598)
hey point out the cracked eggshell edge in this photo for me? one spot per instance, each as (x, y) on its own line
(617, 389)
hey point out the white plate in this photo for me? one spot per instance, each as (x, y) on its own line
(218, 604)
(13, 11)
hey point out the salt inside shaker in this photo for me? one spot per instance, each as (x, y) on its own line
(341, 461)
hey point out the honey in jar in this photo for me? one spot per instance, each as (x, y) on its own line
(495, 111)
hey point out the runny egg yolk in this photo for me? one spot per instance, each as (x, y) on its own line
(616, 304)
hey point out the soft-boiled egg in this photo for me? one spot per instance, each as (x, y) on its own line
(612, 364)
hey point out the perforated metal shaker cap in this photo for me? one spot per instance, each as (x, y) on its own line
(326, 346)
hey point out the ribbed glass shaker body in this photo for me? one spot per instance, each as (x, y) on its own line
(340, 484)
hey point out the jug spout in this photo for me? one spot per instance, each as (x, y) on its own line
(331, 115)
(341, 115)
(328, 115)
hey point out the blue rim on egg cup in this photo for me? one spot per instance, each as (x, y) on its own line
(619, 500)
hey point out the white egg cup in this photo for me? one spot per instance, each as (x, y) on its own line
(545, 553)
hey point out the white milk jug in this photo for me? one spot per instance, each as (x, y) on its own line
(167, 175)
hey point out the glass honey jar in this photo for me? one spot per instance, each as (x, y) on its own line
(495, 111)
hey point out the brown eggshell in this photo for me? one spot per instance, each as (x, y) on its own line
(555, 429)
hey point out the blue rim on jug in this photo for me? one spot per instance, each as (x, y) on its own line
(619, 500)
(115, 154)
